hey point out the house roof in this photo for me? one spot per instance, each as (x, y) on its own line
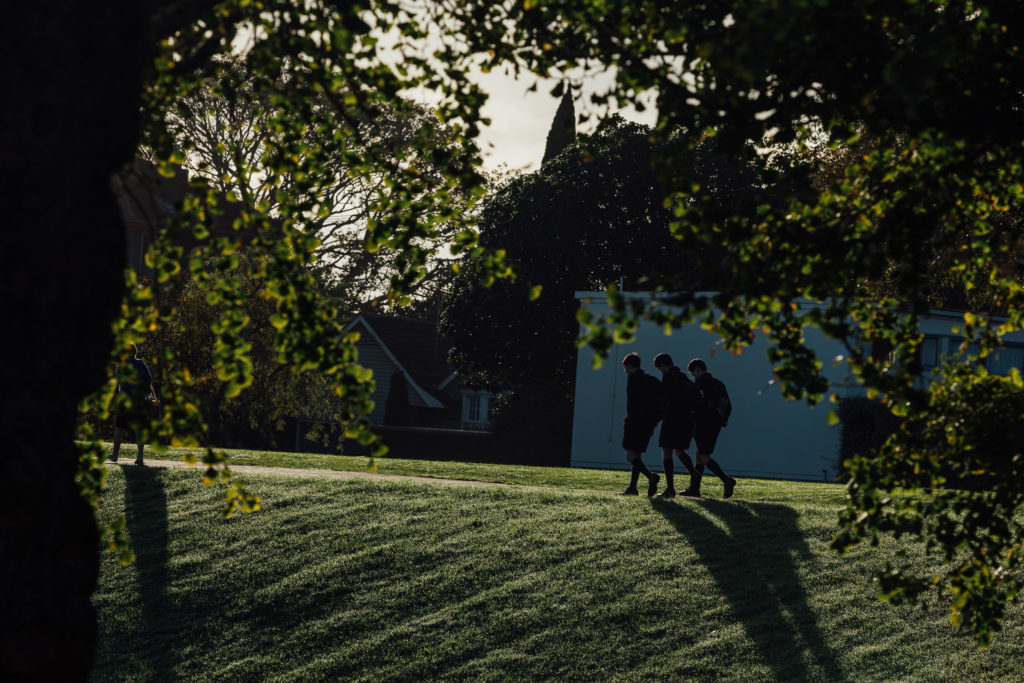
(416, 347)
(147, 198)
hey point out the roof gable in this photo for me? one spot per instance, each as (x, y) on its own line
(416, 348)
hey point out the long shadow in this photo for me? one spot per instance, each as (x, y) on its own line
(146, 512)
(753, 562)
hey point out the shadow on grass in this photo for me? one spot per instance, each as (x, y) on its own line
(753, 561)
(146, 511)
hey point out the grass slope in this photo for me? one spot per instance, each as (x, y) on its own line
(560, 477)
(370, 579)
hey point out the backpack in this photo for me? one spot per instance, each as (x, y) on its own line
(723, 405)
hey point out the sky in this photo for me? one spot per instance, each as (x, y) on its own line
(520, 120)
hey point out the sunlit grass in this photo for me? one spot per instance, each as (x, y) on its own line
(377, 579)
(524, 475)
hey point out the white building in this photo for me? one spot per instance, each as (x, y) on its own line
(767, 436)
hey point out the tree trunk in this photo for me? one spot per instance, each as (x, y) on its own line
(71, 81)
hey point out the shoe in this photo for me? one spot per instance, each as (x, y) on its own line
(652, 485)
(690, 493)
(112, 458)
(139, 462)
(631, 491)
(729, 486)
(667, 493)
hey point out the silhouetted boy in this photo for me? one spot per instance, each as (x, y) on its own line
(136, 381)
(680, 398)
(709, 424)
(643, 411)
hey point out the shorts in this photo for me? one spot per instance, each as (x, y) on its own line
(676, 433)
(706, 435)
(636, 435)
(129, 422)
(139, 414)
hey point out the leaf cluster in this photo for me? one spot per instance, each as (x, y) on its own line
(279, 106)
(590, 216)
(914, 104)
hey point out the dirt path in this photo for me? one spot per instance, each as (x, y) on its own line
(336, 474)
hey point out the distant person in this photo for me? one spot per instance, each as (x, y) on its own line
(643, 411)
(709, 423)
(680, 397)
(136, 382)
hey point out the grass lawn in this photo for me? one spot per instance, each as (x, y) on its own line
(558, 477)
(375, 579)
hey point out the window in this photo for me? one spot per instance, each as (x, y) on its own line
(930, 353)
(1000, 362)
(475, 409)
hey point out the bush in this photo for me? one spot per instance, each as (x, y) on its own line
(534, 426)
(866, 424)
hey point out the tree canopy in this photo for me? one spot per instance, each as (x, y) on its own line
(931, 85)
(591, 216)
(226, 130)
(932, 88)
(90, 86)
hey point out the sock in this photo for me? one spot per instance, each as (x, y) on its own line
(669, 471)
(684, 458)
(713, 466)
(698, 474)
(634, 475)
(639, 465)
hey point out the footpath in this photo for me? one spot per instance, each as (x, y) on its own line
(351, 474)
(335, 474)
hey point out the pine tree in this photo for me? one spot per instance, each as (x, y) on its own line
(563, 128)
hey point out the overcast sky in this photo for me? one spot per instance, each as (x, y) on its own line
(520, 120)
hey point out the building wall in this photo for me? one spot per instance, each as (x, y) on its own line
(767, 435)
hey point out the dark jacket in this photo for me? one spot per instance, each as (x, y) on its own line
(680, 395)
(712, 391)
(134, 378)
(643, 398)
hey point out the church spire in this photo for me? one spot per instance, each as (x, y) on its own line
(563, 128)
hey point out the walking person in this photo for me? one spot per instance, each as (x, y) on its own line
(712, 412)
(680, 396)
(643, 411)
(135, 381)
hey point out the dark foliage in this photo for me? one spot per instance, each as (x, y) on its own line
(588, 218)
